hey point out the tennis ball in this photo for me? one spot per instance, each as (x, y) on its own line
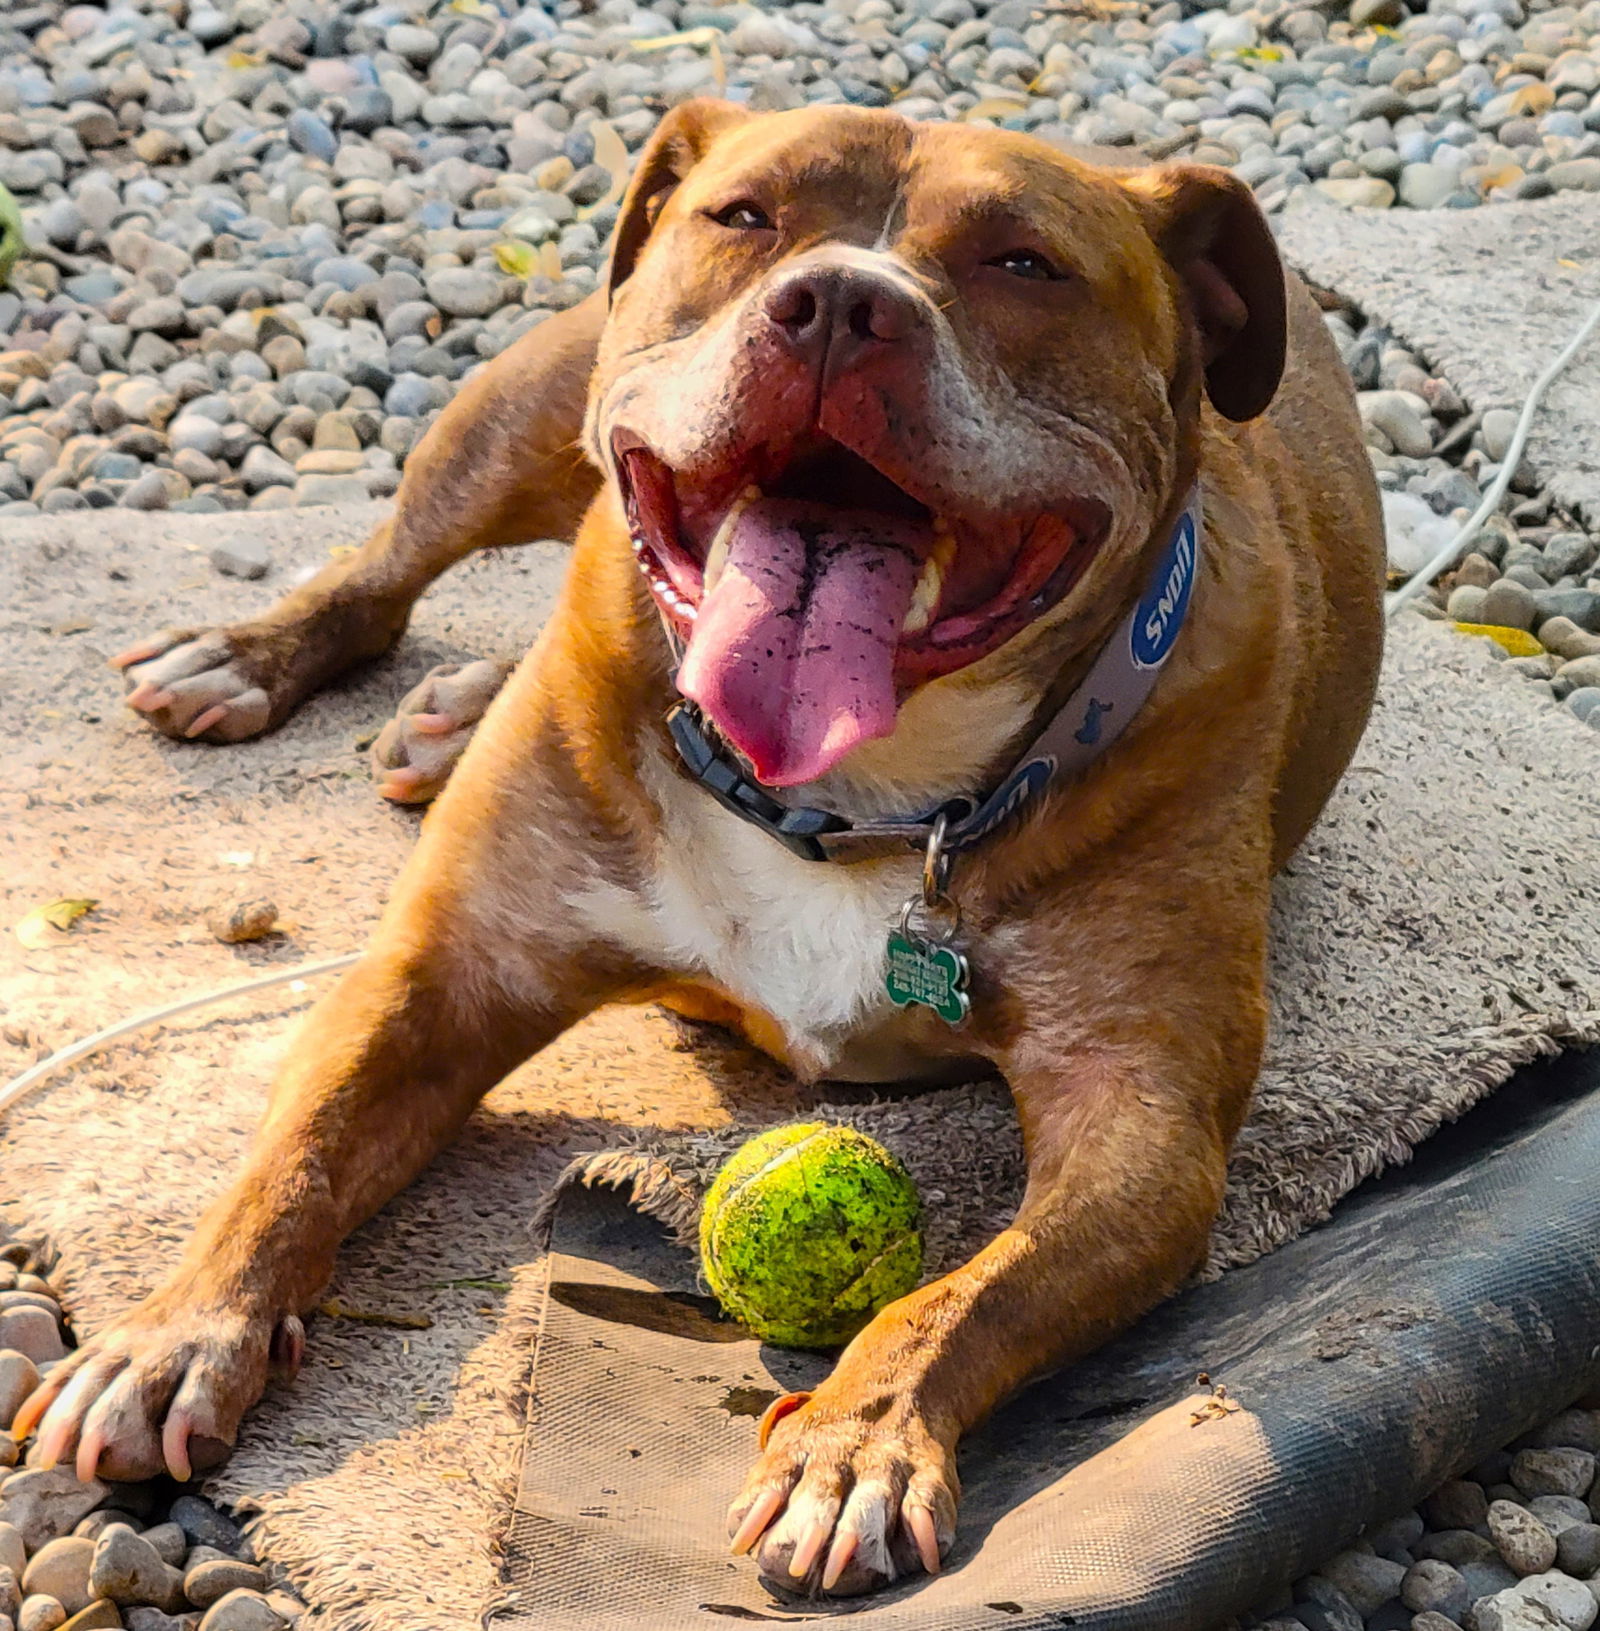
(808, 1231)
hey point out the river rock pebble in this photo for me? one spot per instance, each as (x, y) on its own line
(1366, 1580)
(237, 920)
(209, 1582)
(1510, 605)
(242, 1610)
(1561, 1470)
(18, 1378)
(127, 1569)
(1522, 1540)
(45, 1505)
(1432, 1584)
(1578, 1550)
(1584, 704)
(1539, 1603)
(60, 1569)
(33, 1332)
(205, 1525)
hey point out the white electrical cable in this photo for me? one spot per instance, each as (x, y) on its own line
(1508, 468)
(15, 1089)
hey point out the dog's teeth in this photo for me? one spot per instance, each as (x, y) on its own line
(717, 555)
(930, 585)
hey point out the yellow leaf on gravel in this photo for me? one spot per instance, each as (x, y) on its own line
(1533, 99)
(1517, 642)
(665, 42)
(997, 107)
(516, 259)
(45, 923)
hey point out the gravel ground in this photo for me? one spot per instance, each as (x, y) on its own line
(267, 240)
(98, 1555)
(1530, 579)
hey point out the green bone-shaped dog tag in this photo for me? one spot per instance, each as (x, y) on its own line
(931, 976)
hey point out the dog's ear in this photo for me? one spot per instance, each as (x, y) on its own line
(679, 143)
(1207, 224)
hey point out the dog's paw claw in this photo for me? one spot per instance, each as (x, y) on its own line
(156, 1391)
(141, 652)
(194, 687)
(416, 751)
(843, 1505)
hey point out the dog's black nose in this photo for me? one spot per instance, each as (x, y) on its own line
(832, 315)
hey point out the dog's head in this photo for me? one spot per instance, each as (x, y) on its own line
(885, 400)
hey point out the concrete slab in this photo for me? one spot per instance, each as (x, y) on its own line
(1488, 297)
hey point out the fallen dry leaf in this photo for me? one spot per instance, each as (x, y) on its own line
(516, 259)
(44, 924)
(611, 154)
(997, 107)
(336, 1310)
(665, 42)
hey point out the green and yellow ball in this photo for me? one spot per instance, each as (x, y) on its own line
(808, 1231)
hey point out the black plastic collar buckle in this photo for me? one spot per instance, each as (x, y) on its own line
(795, 829)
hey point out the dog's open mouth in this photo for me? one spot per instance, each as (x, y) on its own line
(813, 592)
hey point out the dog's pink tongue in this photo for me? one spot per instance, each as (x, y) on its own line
(792, 655)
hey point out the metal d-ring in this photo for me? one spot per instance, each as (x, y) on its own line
(935, 863)
(936, 903)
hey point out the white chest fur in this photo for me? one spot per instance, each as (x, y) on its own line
(801, 940)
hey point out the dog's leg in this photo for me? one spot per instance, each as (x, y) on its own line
(476, 965)
(502, 465)
(1127, 1111)
(384, 1073)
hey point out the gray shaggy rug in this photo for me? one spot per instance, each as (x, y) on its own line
(1441, 927)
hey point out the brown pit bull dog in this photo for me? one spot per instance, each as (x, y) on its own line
(913, 452)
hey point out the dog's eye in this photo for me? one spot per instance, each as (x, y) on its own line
(1028, 263)
(743, 217)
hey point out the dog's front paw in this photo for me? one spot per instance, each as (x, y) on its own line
(161, 1389)
(848, 1495)
(416, 751)
(199, 686)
